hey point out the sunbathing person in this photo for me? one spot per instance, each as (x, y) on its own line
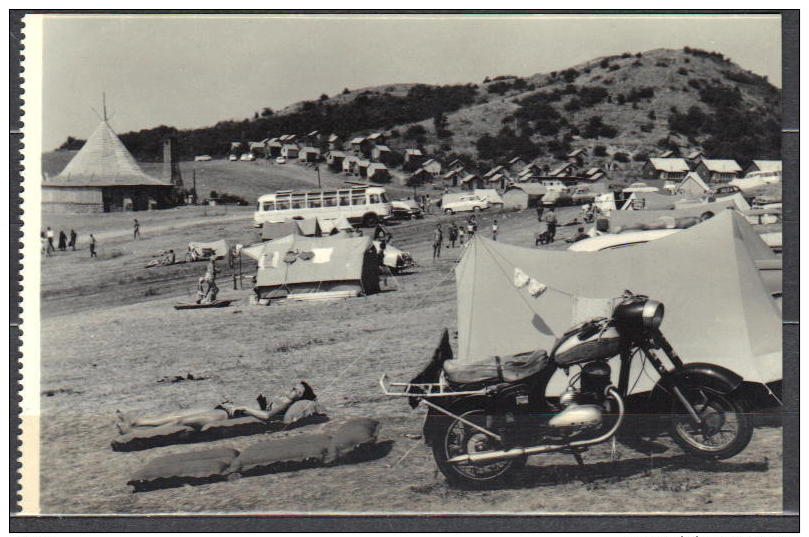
(200, 418)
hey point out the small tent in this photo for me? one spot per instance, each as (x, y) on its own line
(692, 186)
(275, 230)
(315, 267)
(717, 307)
(335, 225)
(638, 201)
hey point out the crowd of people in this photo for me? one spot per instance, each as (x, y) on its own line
(65, 241)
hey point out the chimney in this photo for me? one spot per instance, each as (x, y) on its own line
(171, 168)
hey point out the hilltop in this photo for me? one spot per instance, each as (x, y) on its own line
(624, 107)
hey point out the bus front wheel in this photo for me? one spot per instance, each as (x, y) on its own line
(370, 220)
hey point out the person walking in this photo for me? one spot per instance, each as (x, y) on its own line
(72, 241)
(461, 235)
(550, 219)
(494, 230)
(49, 236)
(62, 241)
(453, 235)
(438, 239)
(540, 210)
(92, 246)
(470, 228)
(136, 228)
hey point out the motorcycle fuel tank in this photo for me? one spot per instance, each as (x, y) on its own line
(578, 346)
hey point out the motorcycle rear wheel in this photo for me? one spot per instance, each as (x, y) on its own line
(456, 438)
(726, 428)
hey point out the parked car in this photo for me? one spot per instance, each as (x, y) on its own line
(557, 198)
(233, 158)
(469, 202)
(767, 199)
(583, 195)
(725, 190)
(406, 209)
(202, 158)
(280, 160)
(247, 157)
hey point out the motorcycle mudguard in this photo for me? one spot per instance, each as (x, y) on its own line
(711, 376)
(434, 418)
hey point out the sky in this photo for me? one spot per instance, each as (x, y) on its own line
(192, 71)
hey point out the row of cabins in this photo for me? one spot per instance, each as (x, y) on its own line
(500, 177)
(709, 170)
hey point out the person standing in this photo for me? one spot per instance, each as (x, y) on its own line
(72, 241)
(136, 228)
(49, 236)
(62, 241)
(550, 219)
(92, 246)
(470, 228)
(438, 239)
(461, 235)
(494, 230)
(540, 210)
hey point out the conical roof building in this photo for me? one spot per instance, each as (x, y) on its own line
(104, 176)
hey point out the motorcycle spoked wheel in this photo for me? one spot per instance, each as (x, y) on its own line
(726, 428)
(457, 438)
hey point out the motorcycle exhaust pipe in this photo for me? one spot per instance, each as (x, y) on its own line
(492, 456)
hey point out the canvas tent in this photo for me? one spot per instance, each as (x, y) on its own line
(692, 186)
(648, 200)
(315, 267)
(705, 276)
(330, 226)
(275, 230)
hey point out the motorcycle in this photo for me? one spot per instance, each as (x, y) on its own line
(484, 419)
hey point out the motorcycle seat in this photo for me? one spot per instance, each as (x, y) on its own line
(496, 369)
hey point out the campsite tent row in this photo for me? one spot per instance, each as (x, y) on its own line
(309, 227)
(717, 307)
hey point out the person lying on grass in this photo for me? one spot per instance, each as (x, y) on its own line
(200, 418)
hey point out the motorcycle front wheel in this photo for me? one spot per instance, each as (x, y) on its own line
(457, 438)
(725, 429)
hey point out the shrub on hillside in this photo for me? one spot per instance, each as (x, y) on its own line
(640, 157)
(573, 105)
(620, 157)
(596, 128)
(600, 151)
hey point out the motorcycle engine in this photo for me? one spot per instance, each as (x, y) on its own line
(583, 409)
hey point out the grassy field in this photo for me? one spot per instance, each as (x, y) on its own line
(109, 333)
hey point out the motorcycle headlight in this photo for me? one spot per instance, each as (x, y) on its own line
(652, 314)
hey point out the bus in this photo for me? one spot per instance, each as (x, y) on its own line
(358, 204)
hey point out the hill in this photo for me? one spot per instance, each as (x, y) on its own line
(632, 105)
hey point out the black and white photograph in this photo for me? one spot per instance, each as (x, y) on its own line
(403, 264)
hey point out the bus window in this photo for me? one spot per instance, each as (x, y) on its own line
(282, 205)
(269, 206)
(298, 201)
(374, 198)
(384, 198)
(358, 198)
(344, 199)
(330, 199)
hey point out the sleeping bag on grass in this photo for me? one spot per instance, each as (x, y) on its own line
(342, 443)
(300, 413)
